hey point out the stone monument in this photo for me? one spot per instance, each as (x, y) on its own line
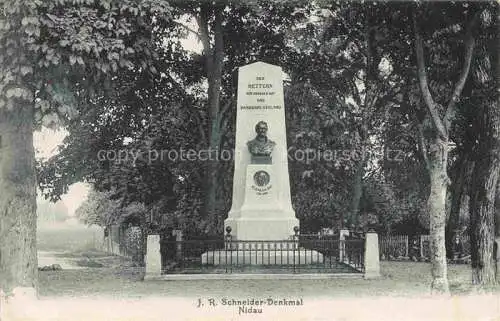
(261, 205)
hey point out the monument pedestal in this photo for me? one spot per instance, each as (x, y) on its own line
(262, 254)
(265, 229)
(262, 215)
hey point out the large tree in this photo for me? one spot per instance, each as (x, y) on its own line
(344, 89)
(441, 110)
(486, 152)
(18, 258)
(53, 53)
(232, 35)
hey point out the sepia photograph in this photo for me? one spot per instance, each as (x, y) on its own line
(249, 160)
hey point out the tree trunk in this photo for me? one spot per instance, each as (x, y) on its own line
(496, 254)
(18, 256)
(486, 179)
(214, 62)
(459, 212)
(438, 155)
(368, 107)
(497, 211)
(461, 189)
(210, 198)
(482, 202)
(357, 191)
(144, 240)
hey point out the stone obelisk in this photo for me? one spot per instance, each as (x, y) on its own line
(261, 206)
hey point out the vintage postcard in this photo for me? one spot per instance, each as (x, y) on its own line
(249, 160)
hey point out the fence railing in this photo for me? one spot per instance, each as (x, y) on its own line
(393, 246)
(398, 246)
(299, 256)
(319, 236)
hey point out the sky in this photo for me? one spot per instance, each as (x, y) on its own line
(46, 142)
(191, 42)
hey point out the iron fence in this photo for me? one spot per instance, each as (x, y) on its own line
(393, 246)
(319, 236)
(125, 241)
(231, 256)
(354, 252)
(402, 246)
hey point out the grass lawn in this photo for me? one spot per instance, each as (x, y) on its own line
(118, 279)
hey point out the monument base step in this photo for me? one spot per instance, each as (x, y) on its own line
(261, 257)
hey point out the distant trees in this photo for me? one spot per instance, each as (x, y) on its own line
(100, 209)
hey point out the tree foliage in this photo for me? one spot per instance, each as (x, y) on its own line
(101, 209)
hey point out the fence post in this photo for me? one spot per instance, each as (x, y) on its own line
(421, 246)
(407, 244)
(372, 261)
(153, 257)
(496, 255)
(105, 245)
(342, 237)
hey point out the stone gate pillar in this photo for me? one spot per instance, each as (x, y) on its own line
(372, 261)
(344, 233)
(153, 258)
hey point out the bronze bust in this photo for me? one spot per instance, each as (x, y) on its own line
(261, 147)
